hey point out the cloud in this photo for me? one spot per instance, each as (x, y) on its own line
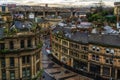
(77, 2)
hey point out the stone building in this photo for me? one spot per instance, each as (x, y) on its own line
(117, 10)
(94, 54)
(20, 50)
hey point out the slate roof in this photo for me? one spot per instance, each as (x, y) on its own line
(22, 25)
(84, 37)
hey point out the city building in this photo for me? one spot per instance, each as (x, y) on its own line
(4, 9)
(94, 53)
(117, 10)
(20, 50)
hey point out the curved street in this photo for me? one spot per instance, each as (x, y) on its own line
(53, 70)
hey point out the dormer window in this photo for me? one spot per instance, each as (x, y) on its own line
(93, 48)
(112, 51)
(98, 49)
(107, 50)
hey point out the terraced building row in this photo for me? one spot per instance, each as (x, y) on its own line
(96, 54)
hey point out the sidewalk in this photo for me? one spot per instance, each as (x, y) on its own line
(59, 72)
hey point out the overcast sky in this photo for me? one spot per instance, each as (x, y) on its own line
(55, 1)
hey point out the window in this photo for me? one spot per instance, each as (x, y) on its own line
(98, 49)
(106, 71)
(109, 60)
(65, 43)
(2, 46)
(3, 75)
(93, 48)
(85, 48)
(64, 50)
(11, 61)
(25, 59)
(28, 59)
(84, 57)
(74, 45)
(29, 43)
(107, 50)
(2, 62)
(12, 75)
(111, 51)
(23, 72)
(3, 8)
(22, 44)
(75, 54)
(95, 57)
(11, 45)
(56, 54)
(26, 72)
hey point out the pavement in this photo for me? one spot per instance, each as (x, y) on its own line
(54, 71)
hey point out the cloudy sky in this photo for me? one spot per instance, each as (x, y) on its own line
(109, 2)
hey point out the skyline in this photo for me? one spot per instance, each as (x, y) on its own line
(60, 2)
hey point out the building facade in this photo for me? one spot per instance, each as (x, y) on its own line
(4, 9)
(20, 51)
(117, 10)
(88, 54)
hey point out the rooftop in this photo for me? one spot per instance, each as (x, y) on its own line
(18, 28)
(106, 37)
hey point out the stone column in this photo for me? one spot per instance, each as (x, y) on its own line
(17, 69)
(116, 73)
(40, 59)
(34, 64)
(7, 75)
(33, 42)
(20, 67)
(110, 71)
(32, 69)
(16, 44)
(71, 62)
(88, 66)
(7, 71)
(25, 43)
(101, 70)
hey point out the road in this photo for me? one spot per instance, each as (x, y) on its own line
(53, 70)
(45, 75)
